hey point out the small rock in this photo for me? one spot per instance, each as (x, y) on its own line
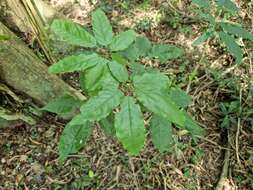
(3, 160)
(49, 133)
(23, 158)
(37, 168)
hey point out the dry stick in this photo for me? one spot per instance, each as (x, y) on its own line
(175, 9)
(194, 72)
(38, 24)
(134, 174)
(224, 172)
(238, 133)
(197, 67)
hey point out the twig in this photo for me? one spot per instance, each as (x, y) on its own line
(134, 174)
(214, 143)
(38, 26)
(224, 172)
(238, 132)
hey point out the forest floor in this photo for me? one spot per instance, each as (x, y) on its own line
(29, 154)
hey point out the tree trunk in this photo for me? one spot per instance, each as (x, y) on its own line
(21, 69)
(29, 17)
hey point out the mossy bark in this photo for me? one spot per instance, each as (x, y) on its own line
(21, 69)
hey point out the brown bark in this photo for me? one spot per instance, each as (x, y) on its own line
(15, 14)
(21, 69)
(29, 17)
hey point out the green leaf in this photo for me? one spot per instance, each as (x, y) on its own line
(4, 37)
(92, 79)
(202, 3)
(137, 69)
(72, 33)
(232, 46)
(100, 106)
(143, 45)
(204, 37)
(153, 80)
(107, 124)
(63, 105)
(82, 80)
(110, 82)
(131, 53)
(76, 63)
(139, 48)
(74, 136)
(118, 71)
(120, 59)
(251, 182)
(234, 107)
(225, 122)
(227, 4)
(193, 127)
(151, 91)
(123, 40)
(102, 28)
(129, 126)
(165, 52)
(180, 97)
(161, 133)
(205, 16)
(236, 30)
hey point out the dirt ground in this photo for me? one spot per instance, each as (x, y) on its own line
(29, 154)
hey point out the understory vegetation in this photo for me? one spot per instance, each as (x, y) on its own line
(162, 98)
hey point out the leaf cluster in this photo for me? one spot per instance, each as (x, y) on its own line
(223, 29)
(120, 90)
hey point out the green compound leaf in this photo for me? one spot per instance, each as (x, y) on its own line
(180, 97)
(63, 105)
(123, 40)
(227, 4)
(74, 136)
(76, 63)
(101, 106)
(232, 46)
(202, 3)
(102, 28)
(72, 33)
(150, 90)
(165, 52)
(161, 133)
(118, 71)
(129, 126)
(236, 30)
(204, 37)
